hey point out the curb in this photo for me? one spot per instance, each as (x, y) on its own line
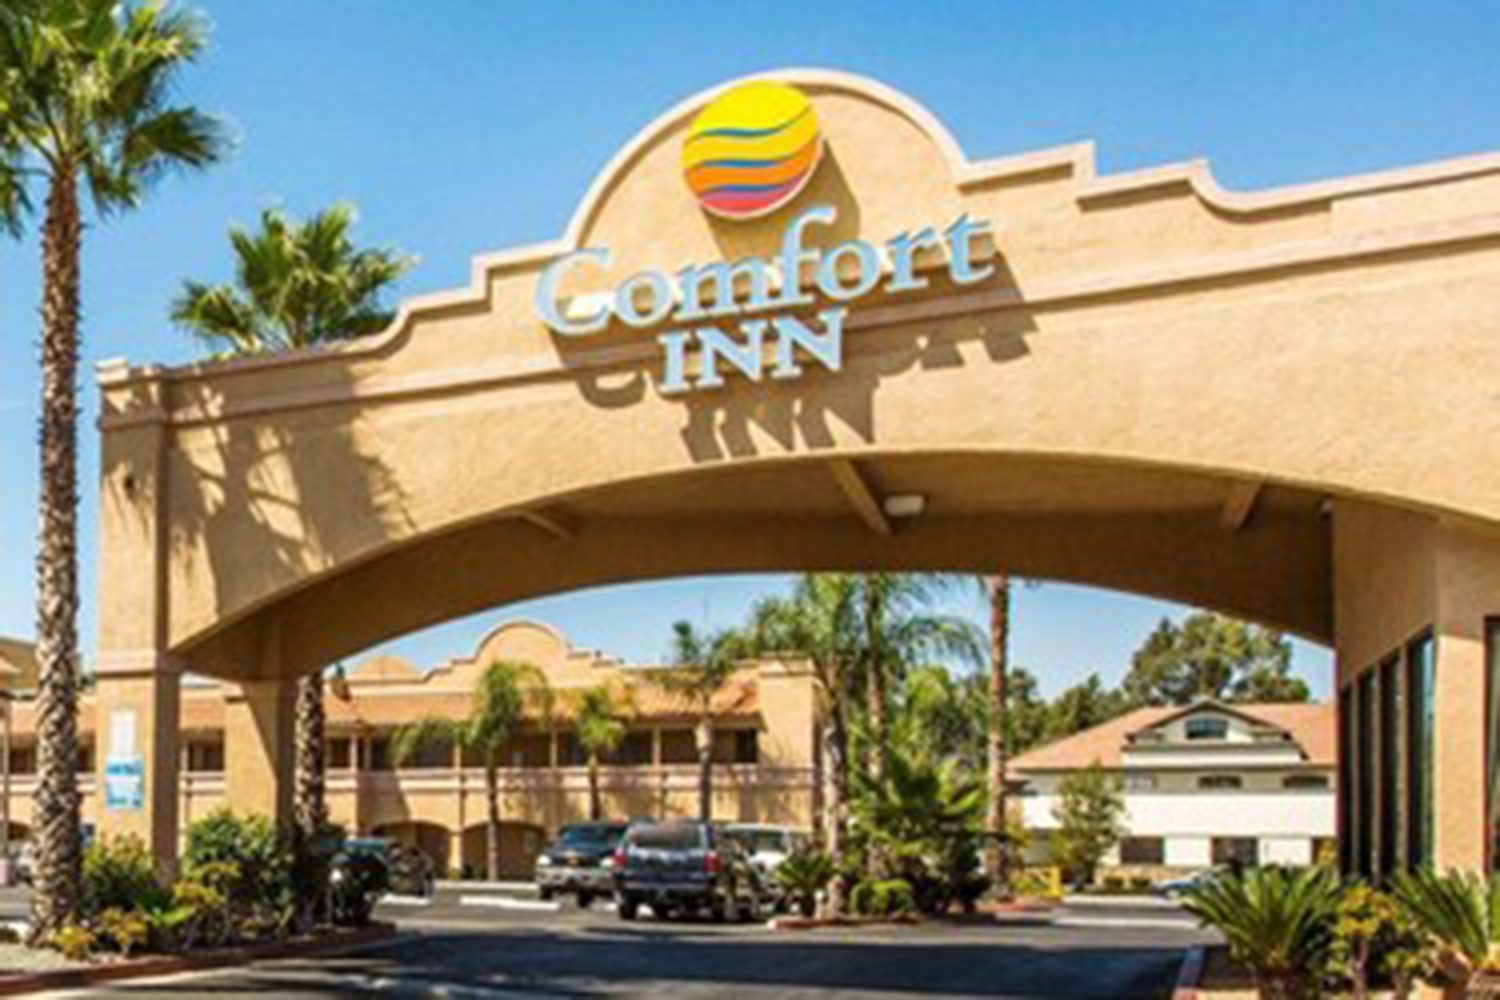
(1189, 974)
(166, 965)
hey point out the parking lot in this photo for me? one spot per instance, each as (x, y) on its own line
(456, 946)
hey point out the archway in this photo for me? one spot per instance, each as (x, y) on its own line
(431, 839)
(1273, 404)
(520, 843)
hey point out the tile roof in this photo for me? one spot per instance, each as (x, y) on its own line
(1311, 725)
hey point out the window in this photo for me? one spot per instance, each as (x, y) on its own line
(1390, 765)
(1143, 851)
(1419, 748)
(1220, 781)
(634, 749)
(1364, 783)
(339, 757)
(1347, 825)
(431, 755)
(1235, 851)
(380, 754)
(205, 756)
(1207, 729)
(570, 752)
(1492, 696)
(1140, 782)
(678, 747)
(735, 746)
(83, 763)
(1304, 781)
(23, 760)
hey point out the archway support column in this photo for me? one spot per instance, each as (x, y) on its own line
(137, 753)
(259, 730)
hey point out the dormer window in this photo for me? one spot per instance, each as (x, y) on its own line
(1207, 729)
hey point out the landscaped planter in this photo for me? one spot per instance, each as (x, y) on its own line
(160, 965)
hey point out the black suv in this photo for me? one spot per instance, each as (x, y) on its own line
(578, 861)
(685, 868)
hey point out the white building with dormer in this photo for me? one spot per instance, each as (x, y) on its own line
(1203, 784)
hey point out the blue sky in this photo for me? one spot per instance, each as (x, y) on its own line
(459, 126)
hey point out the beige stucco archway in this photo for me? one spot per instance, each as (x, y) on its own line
(1280, 404)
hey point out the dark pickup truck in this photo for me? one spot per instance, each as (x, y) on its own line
(685, 868)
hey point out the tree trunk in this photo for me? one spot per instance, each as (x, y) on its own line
(596, 810)
(875, 690)
(58, 837)
(997, 851)
(706, 769)
(311, 806)
(837, 756)
(492, 817)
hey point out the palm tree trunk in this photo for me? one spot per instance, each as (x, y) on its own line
(58, 862)
(876, 688)
(706, 769)
(996, 855)
(596, 810)
(311, 808)
(837, 755)
(492, 817)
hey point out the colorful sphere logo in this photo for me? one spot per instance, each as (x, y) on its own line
(752, 149)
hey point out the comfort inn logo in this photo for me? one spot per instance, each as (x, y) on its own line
(748, 153)
(752, 149)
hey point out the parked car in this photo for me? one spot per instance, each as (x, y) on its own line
(1176, 888)
(579, 861)
(686, 868)
(767, 845)
(409, 872)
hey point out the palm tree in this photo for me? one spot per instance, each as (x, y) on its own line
(701, 666)
(86, 89)
(996, 851)
(1278, 923)
(600, 731)
(1461, 911)
(900, 629)
(822, 621)
(296, 284)
(498, 708)
(310, 810)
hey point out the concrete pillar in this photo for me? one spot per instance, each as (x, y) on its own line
(137, 755)
(259, 724)
(258, 748)
(137, 679)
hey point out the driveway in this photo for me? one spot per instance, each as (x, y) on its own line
(457, 950)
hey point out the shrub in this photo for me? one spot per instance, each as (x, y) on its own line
(126, 928)
(1278, 923)
(167, 922)
(1114, 883)
(802, 875)
(117, 874)
(206, 907)
(1461, 911)
(357, 883)
(1037, 883)
(75, 941)
(250, 863)
(883, 898)
(312, 866)
(1374, 934)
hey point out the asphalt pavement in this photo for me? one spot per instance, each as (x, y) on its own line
(458, 946)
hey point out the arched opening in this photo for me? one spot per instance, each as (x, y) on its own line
(520, 843)
(433, 840)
